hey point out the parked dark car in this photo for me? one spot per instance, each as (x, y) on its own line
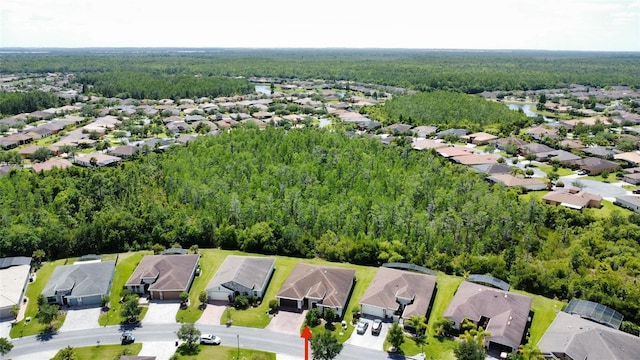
(127, 338)
(376, 327)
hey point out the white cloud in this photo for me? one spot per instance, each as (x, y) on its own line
(523, 24)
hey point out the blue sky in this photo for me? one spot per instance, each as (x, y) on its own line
(601, 25)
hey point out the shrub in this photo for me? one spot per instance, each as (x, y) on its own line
(241, 302)
(273, 305)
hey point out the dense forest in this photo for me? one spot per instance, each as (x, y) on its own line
(465, 71)
(446, 109)
(25, 102)
(142, 85)
(318, 193)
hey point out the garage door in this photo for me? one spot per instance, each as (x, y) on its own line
(372, 311)
(288, 304)
(219, 295)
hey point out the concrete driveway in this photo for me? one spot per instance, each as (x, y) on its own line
(212, 314)
(162, 350)
(161, 312)
(81, 319)
(287, 322)
(368, 340)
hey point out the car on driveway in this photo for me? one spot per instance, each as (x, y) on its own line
(362, 326)
(583, 172)
(210, 339)
(127, 338)
(376, 327)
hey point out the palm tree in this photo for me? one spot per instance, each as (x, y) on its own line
(530, 352)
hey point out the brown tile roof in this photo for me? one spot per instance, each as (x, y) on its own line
(451, 151)
(172, 272)
(575, 200)
(507, 312)
(50, 164)
(331, 284)
(475, 159)
(510, 180)
(390, 284)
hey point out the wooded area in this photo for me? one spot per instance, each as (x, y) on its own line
(465, 71)
(319, 193)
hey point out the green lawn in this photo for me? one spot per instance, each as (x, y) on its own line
(99, 352)
(544, 311)
(226, 353)
(33, 327)
(561, 170)
(607, 209)
(125, 266)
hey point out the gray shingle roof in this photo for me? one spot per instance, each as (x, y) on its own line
(579, 338)
(82, 279)
(250, 272)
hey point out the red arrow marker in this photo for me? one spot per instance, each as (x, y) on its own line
(306, 335)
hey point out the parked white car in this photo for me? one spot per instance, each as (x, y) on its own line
(210, 339)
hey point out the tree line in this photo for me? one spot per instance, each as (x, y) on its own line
(310, 192)
(153, 85)
(470, 72)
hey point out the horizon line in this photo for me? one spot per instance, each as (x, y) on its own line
(202, 48)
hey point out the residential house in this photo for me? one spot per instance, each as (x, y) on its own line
(493, 168)
(534, 148)
(594, 165)
(423, 144)
(424, 131)
(50, 164)
(124, 151)
(164, 277)
(504, 314)
(454, 151)
(573, 198)
(313, 286)
(80, 284)
(397, 128)
(97, 158)
(571, 337)
(632, 178)
(571, 144)
(604, 152)
(542, 131)
(454, 132)
(529, 184)
(479, 138)
(241, 275)
(561, 156)
(632, 158)
(629, 202)
(503, 142)
(475, 159)
(14, 140)
(15, 274)
(395, 294)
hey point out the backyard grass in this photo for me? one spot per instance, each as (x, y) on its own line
(99, 352)
(607, 209)
(544, 311)
(561, 170)
(226, 353)
(125, 266)
(33, 327)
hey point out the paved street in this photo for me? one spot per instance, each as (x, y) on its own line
(35, 347)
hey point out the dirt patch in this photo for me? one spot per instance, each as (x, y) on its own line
(287, 322)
